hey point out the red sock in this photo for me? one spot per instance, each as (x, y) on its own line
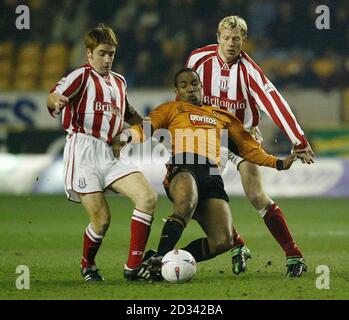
(92, 242)
(238, 241)
(140, 229)
(276, 223)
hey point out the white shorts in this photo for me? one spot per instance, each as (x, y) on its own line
(235, 159)
(90, 166)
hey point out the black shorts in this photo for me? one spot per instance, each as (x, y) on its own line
(209, 186)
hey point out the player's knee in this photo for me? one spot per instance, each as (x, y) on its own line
(185, 207)
(151, 199)
(154, 198)
(257, 197)
(104, 227)
(147, 201)
(102, 224)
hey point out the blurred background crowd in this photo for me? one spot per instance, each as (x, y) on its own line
(156, 36)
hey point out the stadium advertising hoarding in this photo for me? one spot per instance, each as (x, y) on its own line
(25, 174)
(25, 110)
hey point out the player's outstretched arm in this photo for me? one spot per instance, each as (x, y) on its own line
(158, 118)
(271, 102)
(56, 103)
(242, 143)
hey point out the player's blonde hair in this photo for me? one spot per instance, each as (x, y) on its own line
(98, 35)
(232, 22)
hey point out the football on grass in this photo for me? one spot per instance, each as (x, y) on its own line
(178, 266)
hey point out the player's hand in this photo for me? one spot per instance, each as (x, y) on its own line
(60, 102)
(287, 162)
(119, 142)
(306, 154)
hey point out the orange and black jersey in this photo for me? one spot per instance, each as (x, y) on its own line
(197, 129)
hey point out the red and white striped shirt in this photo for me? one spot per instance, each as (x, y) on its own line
(98, 104)
(241, 88)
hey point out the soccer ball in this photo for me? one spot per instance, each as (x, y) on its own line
(178, 266)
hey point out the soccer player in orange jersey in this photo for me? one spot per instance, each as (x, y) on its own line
(190, 184)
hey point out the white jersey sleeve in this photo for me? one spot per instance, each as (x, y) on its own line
(271, 102)
(70, 85)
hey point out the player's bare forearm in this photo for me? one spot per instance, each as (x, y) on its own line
(132, 117)
(135, 119)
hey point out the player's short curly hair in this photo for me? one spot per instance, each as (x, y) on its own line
(232, 22)
(98, 35)
(175, 78)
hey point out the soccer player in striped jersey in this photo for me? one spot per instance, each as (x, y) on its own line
(94, 106)
(234, 82)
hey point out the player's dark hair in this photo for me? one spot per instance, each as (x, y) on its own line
(180, 72)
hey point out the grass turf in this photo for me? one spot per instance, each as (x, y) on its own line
(45, 234)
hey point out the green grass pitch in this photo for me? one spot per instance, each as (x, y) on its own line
(45, 234)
